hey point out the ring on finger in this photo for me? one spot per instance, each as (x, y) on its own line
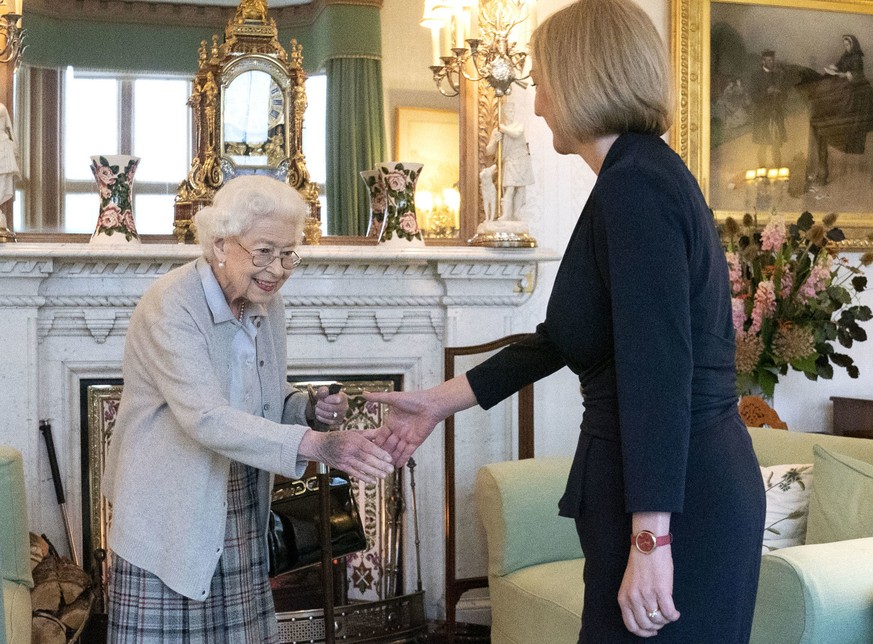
(652, 614)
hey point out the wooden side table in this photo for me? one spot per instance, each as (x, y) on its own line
(853, 417)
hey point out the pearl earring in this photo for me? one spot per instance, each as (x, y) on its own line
(220, 264)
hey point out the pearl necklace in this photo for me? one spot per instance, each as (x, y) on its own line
(242, 311)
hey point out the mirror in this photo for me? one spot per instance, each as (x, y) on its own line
(406, 80)
(253, 121)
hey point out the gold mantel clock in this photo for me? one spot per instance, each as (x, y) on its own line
(248, 102)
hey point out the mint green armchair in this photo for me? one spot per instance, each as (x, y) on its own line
(15, 627)
(811, 594)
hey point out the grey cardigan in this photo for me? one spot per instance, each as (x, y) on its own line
(170, 452)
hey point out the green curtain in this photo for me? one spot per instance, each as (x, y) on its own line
(355, 139)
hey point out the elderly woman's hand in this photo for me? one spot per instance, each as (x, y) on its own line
(351, 451)
(330, 409)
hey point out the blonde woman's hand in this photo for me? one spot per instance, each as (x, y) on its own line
(406, 424)
(646, 593)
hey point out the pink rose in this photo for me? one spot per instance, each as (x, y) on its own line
(104, 175)
(127, 220)
(110, 216)
(396, 181)
(379, 202)
(408, 224)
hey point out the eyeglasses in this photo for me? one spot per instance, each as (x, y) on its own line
(262, 257)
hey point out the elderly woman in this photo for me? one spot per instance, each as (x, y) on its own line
(665, 489)
(205, 417)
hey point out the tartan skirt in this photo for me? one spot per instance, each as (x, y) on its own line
(239, 609)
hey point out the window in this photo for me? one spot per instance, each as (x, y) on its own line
(122, 114)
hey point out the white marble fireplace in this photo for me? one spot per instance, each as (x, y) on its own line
(64, 310)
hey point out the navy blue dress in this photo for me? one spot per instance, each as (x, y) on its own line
(641, 311)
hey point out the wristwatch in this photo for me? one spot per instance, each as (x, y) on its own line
(645, 541)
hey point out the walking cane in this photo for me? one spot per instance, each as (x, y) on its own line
(46, 430)
(323, 473)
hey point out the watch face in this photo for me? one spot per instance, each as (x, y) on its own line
(645, 541)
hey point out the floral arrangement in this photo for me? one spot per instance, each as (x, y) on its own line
(113, 183)
(793, 296)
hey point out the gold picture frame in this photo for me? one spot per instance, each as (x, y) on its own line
(431, 137)
(806, 35)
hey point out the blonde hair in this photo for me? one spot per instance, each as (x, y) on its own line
(605, 69)
(243, 199)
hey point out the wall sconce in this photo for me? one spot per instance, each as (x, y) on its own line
(492, 55)
(13, 34)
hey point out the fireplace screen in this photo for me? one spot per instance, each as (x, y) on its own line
(372, 575)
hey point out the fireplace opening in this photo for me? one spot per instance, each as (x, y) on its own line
(373, 575)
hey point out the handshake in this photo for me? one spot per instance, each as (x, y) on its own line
(373, 454)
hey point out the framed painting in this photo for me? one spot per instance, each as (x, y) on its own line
(431, 137)
(774, 109)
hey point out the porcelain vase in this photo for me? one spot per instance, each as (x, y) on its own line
(400, 228)
(114, 175)
(378, 202)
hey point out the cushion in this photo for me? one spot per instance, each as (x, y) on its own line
(818, 594)
(839, 506)
(17, 615)
(541, 603)
(14, 537)
(788, 488)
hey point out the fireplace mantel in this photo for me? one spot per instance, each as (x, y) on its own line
(64, 310)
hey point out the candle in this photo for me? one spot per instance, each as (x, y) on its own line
(761, 172)
(750, 175)
(458, 23)
(435, 44)
(772, 173)
(784, 173)
(423, 200)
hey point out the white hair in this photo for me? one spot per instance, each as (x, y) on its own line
(242, 200)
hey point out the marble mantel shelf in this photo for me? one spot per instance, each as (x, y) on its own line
(78, 289)
(184, 252)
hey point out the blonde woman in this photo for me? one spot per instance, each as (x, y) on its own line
(665, 489)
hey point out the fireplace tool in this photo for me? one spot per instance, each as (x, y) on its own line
(46, 430)
(411, 465)
(323, 473)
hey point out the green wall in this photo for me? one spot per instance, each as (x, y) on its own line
(339, 31)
